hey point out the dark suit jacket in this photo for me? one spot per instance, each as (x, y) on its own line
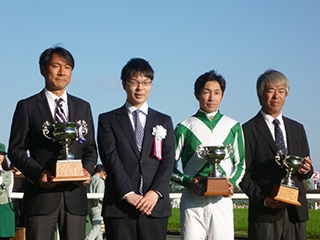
(120, 156)
(26, 135)
(262, 172)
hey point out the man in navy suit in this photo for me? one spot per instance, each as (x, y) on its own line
(136, 146)
(48, 204)
(268, 218)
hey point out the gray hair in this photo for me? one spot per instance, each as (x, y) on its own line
(271, 77)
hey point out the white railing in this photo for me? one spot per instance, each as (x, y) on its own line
(241, 195)
(237, 195)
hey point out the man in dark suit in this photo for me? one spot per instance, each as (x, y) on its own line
(268, 218)
(48, 204)
(136, 202)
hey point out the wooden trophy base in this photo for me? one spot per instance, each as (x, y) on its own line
(69, 171)
(285, 194)
(217, 187)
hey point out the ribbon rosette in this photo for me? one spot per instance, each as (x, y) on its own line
(82, 130)
(159, 133)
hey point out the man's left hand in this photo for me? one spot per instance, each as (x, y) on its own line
(305, 165)
(147, 203)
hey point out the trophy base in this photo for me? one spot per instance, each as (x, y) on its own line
(285, 194)
(217, 187)
(69, 171)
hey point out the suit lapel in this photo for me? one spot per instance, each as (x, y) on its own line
(265, 131)
(125, 124)
(290, 132)
(71, 107)
(148, 137)
(43, 106)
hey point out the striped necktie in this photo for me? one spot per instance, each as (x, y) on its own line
(60, 115)
(279, 136)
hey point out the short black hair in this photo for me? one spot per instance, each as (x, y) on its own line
(99, 168)
(209, 76)
(46, 56)
(136, 66)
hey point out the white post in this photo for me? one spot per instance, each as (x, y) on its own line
(316, 207)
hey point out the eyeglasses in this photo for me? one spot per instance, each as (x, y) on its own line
(135, 83)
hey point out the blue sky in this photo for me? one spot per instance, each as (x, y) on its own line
(181, 40)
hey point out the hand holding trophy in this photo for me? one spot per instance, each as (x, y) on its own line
(67, 168)
(216, 183)
(286, 191)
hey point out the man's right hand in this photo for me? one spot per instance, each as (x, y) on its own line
(274, 204)
(197, 186)
(133, 198)
(45, 180)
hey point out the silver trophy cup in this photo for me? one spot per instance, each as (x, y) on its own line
(292, 164)
(216, 184)
(65, 133)
(286, 191)
(214, 155)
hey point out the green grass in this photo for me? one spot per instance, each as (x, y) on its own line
(241, 222)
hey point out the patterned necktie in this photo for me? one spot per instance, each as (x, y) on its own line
(60, 115)
(138, 129)
(139, 138)
(279, 136)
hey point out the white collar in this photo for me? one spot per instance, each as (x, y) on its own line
(52, 97)
(268, 118)
(144, 108)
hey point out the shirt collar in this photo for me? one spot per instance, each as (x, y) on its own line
(143, 108)
(270, 119)
(52, 97)
(211, 115)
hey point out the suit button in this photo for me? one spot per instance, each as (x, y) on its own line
(141, 161)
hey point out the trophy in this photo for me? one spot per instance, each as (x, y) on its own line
(286, 191)
(216, 183)
(67, 168)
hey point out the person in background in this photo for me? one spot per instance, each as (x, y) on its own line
(207, 217)
(136, 146)
(96, 185)
(18, 186)
(268, 218)
(7, 220)
(50, 204)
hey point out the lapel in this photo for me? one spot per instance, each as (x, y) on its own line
(290, 132)
(265, 133)
(125, 124)
(43, 106)
(148, 137)
(71, 107)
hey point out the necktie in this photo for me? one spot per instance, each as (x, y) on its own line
(138, 129)
(139, 138)
(60, 114)
(279, 136)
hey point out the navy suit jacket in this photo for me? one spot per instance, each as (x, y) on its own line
(262, 172)
(124, 164)
(26, 136)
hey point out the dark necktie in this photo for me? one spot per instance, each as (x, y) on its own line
(60, 115)
(279, 136)
(138, 129)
